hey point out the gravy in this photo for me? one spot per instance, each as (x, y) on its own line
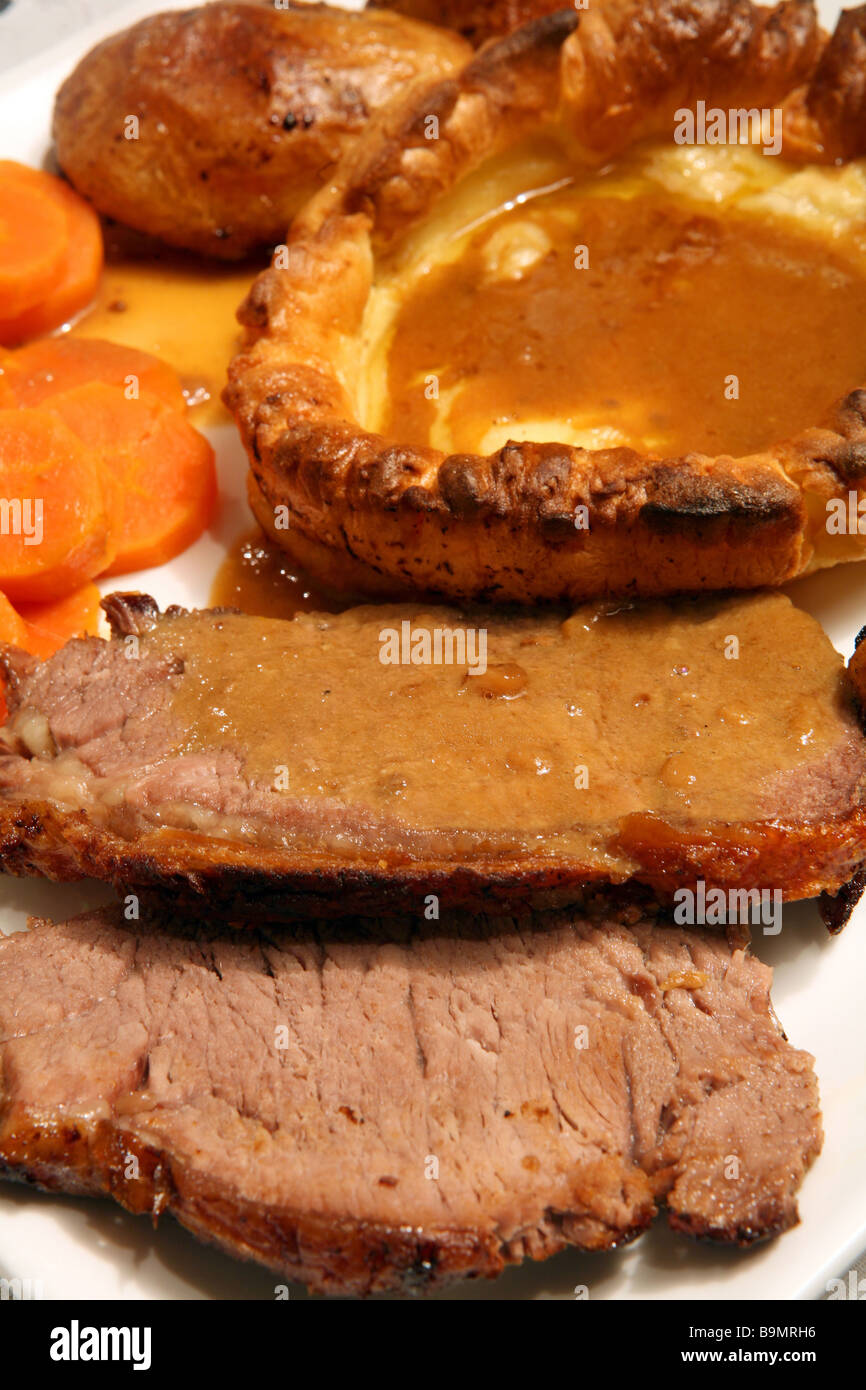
(175, 305)
(641, 345)
(574, 725)
(259, 578)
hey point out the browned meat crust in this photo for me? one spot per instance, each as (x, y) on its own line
(256, 883)
(502, 527)
(809, 851)
(567, 1076)
(836, 908)
(243, 111)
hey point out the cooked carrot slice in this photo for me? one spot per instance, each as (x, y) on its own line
(48, 625)
(34, 237)
(13, 631)
(50, 366)
(82, 267)
(164, 467)
(54, 521)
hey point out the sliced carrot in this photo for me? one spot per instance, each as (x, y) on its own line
(164, 468)
(50, 366)
(55, 527)
(13, 631)
(79, 279)
(48, 625)
(34, 237)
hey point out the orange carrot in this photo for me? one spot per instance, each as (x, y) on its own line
(164, 468)
(34, 237)
(48, 625)
(50, 366)
(55, 526)
(82, 267)
(13, 631)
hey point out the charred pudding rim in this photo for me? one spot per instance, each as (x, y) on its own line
(608, 78)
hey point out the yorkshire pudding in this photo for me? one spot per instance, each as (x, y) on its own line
(550, 352)
(478, 20)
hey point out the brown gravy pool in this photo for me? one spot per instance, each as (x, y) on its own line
(175, 305)
(673, 303)
(259, 578)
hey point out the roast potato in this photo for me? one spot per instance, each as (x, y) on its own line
(209, 128)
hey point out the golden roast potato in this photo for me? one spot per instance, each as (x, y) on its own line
(209, 128)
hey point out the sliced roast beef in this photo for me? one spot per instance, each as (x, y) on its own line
(358, 762)
(377, 1107)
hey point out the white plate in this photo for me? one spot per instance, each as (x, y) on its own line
(86, 1249)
